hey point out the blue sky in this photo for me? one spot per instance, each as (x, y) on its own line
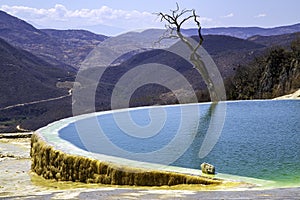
(115, 16)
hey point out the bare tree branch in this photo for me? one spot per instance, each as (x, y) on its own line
(174, 21)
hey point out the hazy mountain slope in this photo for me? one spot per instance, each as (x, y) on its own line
(148, 94)
(228, 52)
(225, 50)
(215, 44)
(18, 31)
(25, 77)
(276, 40)
(60, 48)
(76, 36)
(75, 44)
(21, 34)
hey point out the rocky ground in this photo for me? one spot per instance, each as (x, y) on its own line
(295, 95)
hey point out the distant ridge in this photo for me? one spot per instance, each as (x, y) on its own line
(246, 32)
(275, 40)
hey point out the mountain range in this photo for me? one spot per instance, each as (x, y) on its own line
(41, 64)
(61, 48)
(246, 32)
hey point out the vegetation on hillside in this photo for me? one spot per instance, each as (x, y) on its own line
(274, 74)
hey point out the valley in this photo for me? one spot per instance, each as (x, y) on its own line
(39, 67)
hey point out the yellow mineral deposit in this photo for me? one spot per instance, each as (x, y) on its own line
(54, 164)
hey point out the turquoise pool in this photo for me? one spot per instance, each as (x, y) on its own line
(259, 139)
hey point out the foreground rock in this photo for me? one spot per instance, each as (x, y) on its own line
(208, 168)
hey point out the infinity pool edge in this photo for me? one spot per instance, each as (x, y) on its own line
(52, 163)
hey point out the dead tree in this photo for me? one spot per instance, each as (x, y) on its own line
(174, 22)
